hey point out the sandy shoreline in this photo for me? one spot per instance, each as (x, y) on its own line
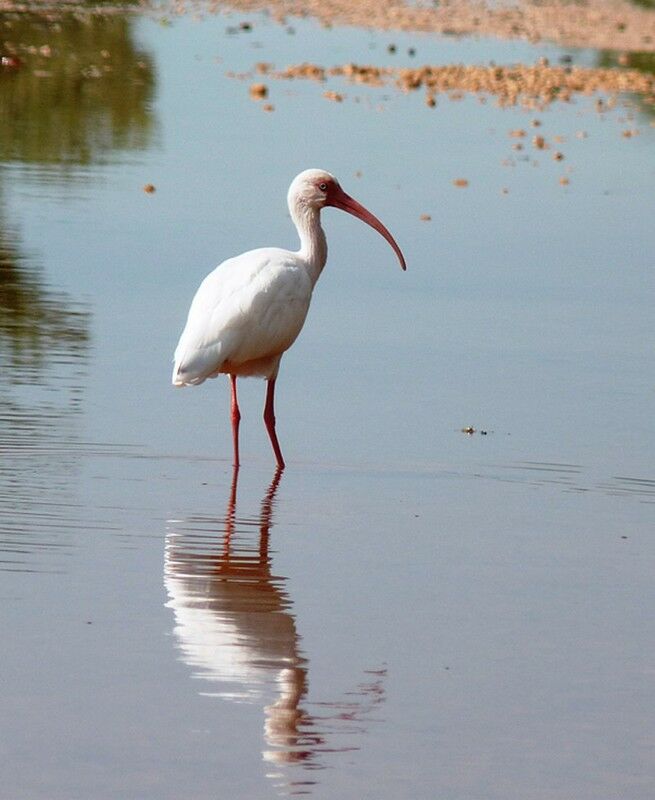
(600, 24)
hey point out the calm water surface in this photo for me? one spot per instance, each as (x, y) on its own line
(407, 611)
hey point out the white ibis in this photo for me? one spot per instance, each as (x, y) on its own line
(250, 309)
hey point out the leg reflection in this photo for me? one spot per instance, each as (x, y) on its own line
(235, 628)
(233, 620)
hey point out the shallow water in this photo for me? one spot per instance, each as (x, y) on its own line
(408, 611)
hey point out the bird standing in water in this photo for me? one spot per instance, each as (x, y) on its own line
(250, 309)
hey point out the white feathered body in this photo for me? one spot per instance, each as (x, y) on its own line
(244, 316)
(251, 308)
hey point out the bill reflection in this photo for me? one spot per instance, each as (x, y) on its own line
(235, 629)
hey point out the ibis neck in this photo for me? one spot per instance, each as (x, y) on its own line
(313, 247)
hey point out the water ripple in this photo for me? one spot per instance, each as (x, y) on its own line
(572, 478)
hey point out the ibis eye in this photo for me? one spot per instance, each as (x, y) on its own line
(323, 187)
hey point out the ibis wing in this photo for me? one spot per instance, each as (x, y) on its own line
(250, 307)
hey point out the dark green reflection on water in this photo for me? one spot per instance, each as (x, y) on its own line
(82, 88)
(641, 61)
(75, 92)
(38, 326)
(44, 343)
(77, 88)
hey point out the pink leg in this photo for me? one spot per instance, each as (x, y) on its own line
(269, 421)
(236, 418)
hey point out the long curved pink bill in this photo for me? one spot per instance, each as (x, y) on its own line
(345, 202)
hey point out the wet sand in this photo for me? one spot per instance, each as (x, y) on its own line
(533, 87)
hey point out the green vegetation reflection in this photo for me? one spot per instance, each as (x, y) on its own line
(641, 61)
(74, 88)
(39, 327)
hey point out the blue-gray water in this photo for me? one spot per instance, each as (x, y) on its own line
(409, 612)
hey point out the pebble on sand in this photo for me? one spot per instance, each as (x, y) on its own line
(149, 188)
(258, 91)
(461, 182)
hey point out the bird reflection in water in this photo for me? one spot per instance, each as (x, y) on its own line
(234, 627)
